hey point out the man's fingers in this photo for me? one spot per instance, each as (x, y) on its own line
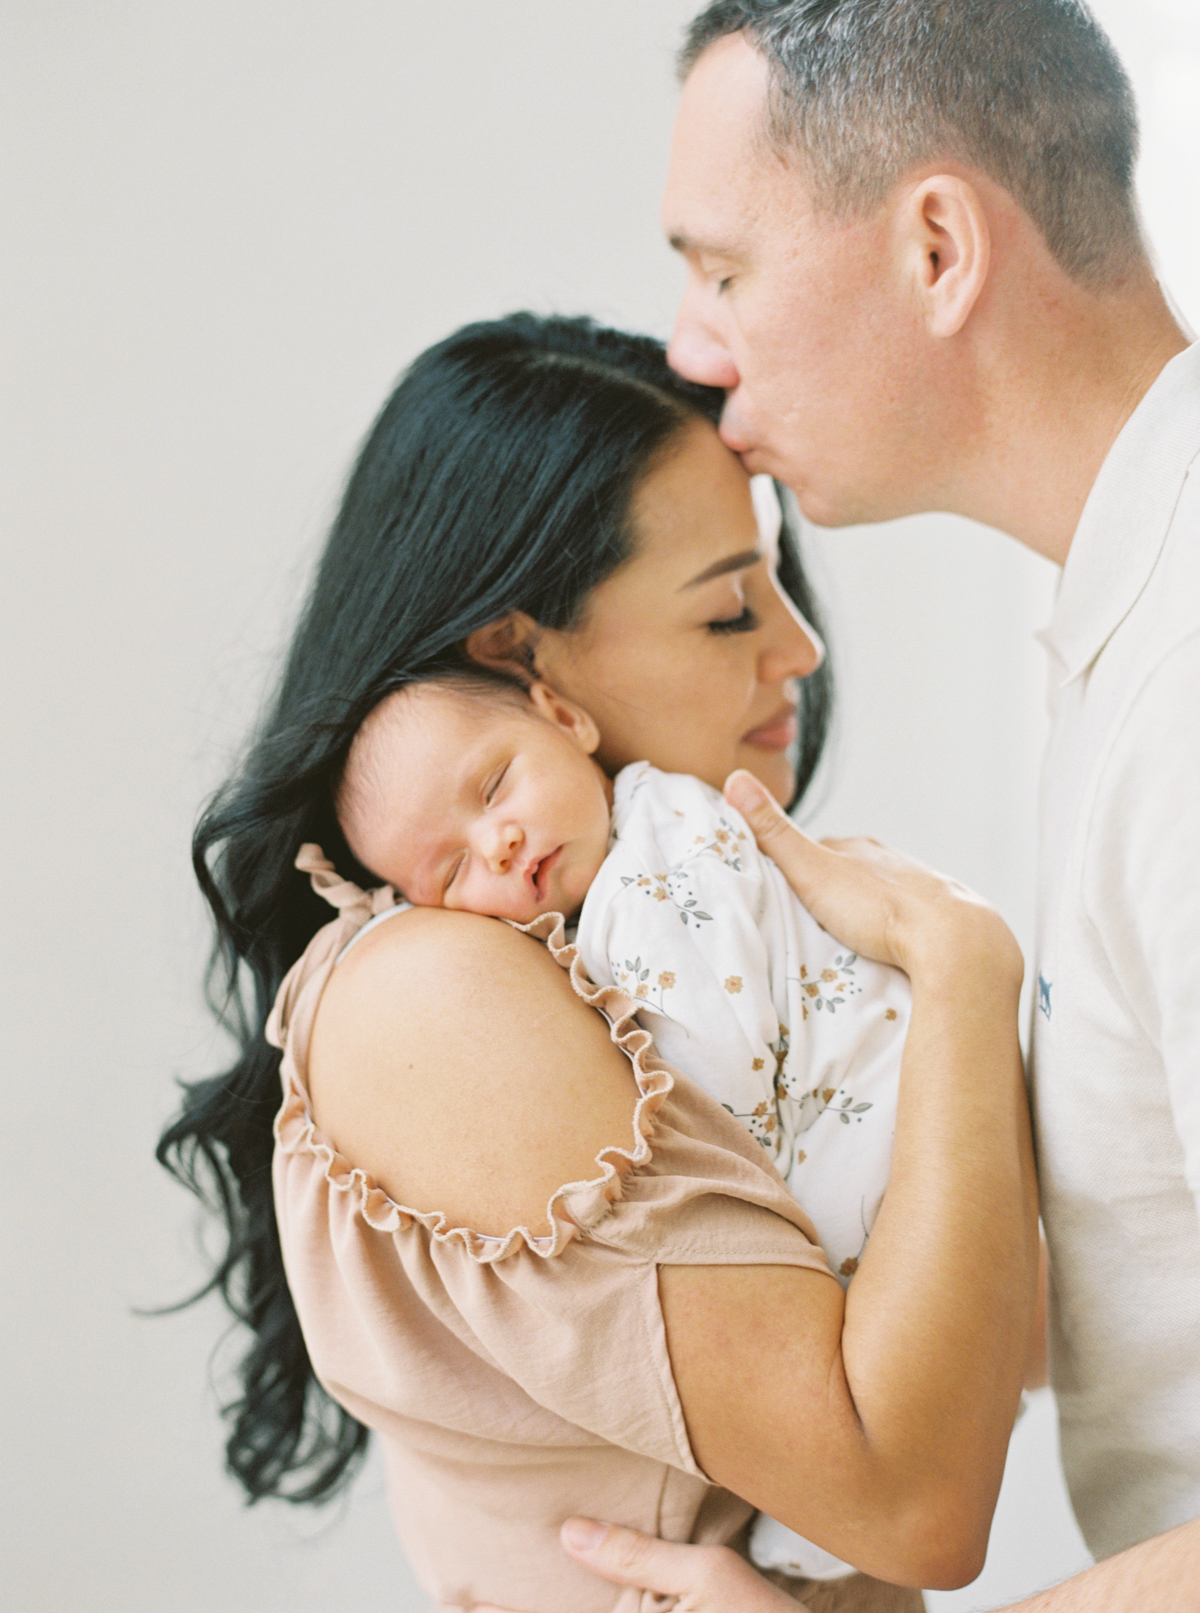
(630, 1558)
(773, 829)
(707, 1579)
(797, 854)
(756, 804)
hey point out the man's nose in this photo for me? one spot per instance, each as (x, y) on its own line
(698, 353)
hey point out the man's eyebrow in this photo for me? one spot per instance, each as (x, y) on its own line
(680, 241)
(719, 568)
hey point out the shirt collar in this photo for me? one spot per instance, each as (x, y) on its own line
(1125, 520)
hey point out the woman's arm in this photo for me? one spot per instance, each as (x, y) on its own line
(933, 1348)
(920, 1375)
(452, 1060)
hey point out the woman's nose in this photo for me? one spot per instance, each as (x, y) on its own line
(794, 650)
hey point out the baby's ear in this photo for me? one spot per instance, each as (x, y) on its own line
(565, 714)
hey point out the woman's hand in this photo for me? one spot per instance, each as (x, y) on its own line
(884, 905)
(706, 1579)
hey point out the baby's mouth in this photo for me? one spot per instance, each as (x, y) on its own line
(541, 873)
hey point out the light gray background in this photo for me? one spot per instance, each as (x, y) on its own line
(229, 224)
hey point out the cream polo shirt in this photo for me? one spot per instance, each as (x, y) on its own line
(1116, 1042)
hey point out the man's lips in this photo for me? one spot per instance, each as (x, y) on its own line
(777, 733)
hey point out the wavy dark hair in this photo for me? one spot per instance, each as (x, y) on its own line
(497, 478)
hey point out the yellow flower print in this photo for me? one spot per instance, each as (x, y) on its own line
(733, 984)
(830, 988)
(757, 1065)
(849, 1267)
(660, 894)
(666, 980)
(891, 1014)
(641, 991)
(801, 1156)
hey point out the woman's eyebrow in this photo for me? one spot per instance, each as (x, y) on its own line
(732, 562)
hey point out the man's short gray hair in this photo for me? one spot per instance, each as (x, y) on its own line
(1029, 92)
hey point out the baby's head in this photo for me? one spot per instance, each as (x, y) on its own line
(470, 791)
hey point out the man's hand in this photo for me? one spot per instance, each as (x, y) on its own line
(705, 1579)
(874, 899)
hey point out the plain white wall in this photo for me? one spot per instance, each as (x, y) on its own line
(229, 225)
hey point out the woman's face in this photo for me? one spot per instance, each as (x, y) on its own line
(688, 654)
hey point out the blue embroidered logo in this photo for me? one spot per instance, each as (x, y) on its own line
(1044, 995)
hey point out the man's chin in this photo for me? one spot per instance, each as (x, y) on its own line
(822, 508)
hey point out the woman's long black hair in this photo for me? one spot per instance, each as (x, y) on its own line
(497, 478)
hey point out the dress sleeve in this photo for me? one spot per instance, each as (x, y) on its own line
(526, 1341)
(582, 1332)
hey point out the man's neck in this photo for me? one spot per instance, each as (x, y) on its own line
(1062, 401)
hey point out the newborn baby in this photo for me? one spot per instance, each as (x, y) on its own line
(472, 792)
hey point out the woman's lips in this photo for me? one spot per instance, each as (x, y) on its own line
(777, 733)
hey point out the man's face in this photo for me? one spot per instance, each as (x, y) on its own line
(804, 319)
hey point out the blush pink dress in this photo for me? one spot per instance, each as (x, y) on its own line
(515, 1381)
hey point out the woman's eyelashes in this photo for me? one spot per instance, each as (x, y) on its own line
(746, 622)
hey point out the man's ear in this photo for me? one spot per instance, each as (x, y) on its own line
(948, 245)
(565, 714)
(506, 645)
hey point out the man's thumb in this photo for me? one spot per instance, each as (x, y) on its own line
(628, 1557)
(756, 804)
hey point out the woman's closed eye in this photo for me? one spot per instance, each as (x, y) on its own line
(745, 622)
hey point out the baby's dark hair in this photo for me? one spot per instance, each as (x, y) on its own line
(486, 685)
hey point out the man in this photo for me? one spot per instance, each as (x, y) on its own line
(915, 266)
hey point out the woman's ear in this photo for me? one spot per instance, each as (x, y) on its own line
(565, 714)
(506, 645)
(948, 247)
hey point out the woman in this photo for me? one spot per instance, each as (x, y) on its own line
(660, 1336)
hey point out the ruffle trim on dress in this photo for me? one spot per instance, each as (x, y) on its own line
(577, 1206)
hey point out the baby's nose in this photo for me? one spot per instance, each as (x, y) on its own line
(500, 843)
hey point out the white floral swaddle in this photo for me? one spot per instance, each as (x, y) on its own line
(760, 1006)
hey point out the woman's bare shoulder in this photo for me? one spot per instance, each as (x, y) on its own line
(452, 1060)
